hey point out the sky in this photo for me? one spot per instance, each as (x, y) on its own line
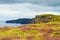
(14, 9)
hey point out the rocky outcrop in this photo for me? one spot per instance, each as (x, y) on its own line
(45, 18)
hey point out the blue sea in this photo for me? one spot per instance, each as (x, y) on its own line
(3, 24)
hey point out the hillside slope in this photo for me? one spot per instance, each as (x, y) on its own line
(47, 18)
(31, 32)
(44, 18)
(44, 27)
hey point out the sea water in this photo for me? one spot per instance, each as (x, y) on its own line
(3, 24)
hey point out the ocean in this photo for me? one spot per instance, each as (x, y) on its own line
(3, 24)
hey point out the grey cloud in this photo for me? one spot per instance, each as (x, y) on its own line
(38, 2)
(42, 5)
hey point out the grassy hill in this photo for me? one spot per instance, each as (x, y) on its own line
(41, 30)
(31, 32)
(44, 18)
(47, 18)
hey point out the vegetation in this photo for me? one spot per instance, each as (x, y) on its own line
(47, 18)
(42, 31)
(31, 32)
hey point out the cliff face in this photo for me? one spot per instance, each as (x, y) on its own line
(46, 18)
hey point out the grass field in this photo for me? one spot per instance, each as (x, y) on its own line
(31, 32)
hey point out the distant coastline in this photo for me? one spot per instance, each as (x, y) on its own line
(21, 21)
(44, 18)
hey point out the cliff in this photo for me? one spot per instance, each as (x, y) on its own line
(45, 18)
(21, 21)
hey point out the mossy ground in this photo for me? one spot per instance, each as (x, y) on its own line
(45, 31)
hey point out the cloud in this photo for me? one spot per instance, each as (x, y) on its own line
(13, 9)
(25, 10)
(38, 2)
